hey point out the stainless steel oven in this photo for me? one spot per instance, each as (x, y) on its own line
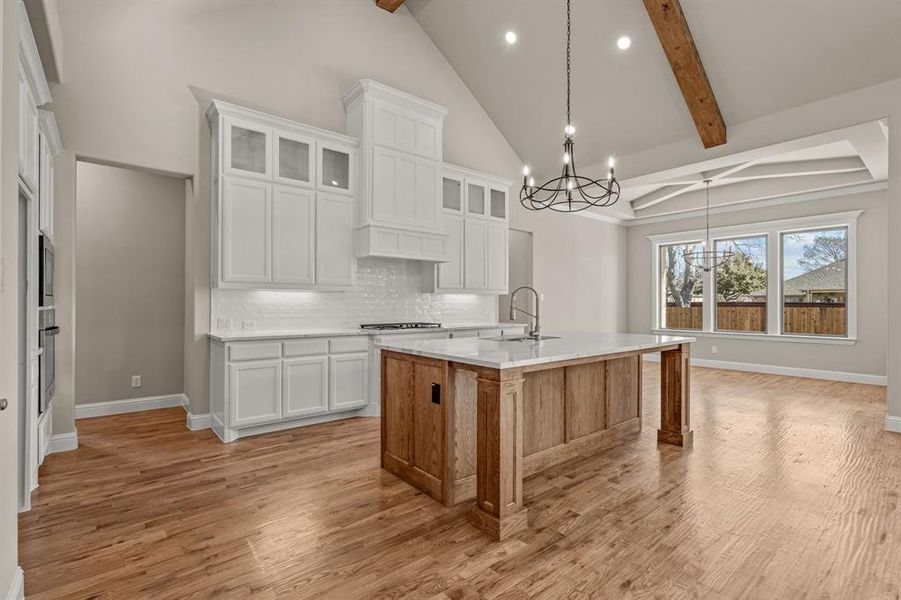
(47, 255)
(47, 367)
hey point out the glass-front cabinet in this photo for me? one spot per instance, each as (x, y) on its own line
(247, 149)
(336, 168)
(277, 221)
(452, 194)
(294, 159)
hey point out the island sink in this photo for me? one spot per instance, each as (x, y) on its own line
(468, 419)
(522, 338)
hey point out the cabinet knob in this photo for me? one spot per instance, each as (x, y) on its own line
(3, 403)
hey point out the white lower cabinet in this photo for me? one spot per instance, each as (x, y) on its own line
(348, 381)
(259, 386)
(305, 386)
(256, 392)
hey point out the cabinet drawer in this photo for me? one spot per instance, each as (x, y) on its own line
(254, 351)
(467, 333)
(306, 347)
(349, 344)
(483, 333)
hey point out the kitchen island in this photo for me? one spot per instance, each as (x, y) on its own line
(470, 418)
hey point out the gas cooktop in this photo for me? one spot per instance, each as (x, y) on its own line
(409, 325)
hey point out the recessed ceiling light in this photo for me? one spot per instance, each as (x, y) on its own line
(624, 42)
(510, 36)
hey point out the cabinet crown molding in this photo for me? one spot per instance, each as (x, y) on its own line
(460, 172)
(219, 108)
(30, 60)
(368, 88)
(47, 123)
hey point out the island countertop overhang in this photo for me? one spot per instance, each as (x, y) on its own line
(496, 354)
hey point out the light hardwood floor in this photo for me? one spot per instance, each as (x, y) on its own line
(791, 490)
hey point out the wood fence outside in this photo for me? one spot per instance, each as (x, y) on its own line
(803, 318)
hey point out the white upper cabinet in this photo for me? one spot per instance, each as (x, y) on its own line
(400, 186)
(293, 235)
(294, 157)
(335, 262)
(29, 145)
(247, 149)
(50, 146)
(474, 217)
(283, 202)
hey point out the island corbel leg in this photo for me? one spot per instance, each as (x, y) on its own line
(499, 508)
(675, 397)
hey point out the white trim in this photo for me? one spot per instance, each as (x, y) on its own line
(197, 422)
(50, 130)
(858, 188)
(865, 378)
(117, 407)
(893, 423)
(30, 59)
(761, 337)
(16, 590)
(63, 442)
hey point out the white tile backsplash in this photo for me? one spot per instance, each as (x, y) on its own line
(388, 290)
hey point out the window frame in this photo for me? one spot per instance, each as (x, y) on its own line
(766, 267)
(773, 231)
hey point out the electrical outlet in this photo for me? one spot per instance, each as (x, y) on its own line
(713, 350)
(248, 324)
(135, 381)
(223, 324)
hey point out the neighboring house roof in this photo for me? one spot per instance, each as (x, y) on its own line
(829, 277)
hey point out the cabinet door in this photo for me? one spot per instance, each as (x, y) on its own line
(293, 235)
(335, 261)
(450, 274)
(475, 254)
(336, 168)
(452, 194)
(497, 203)
(293, 159)
(45, 191)
(497, 256)
(404, 189)
(348, 381)
(255, 392)
(28, 136)
(246, 231)
(304, 386)
(476, 199)
(247, 149)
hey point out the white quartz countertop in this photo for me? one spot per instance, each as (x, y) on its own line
(244, 335)
(484, 352)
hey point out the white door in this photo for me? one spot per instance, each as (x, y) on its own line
(45, 191)
(292, 159)
(335, 261)
(497, 256)
(247, 149)
(450, 274)
(255, 392)
(475, 254)
(348, 381)
(246, 231)
(293, 235)
(305, 386)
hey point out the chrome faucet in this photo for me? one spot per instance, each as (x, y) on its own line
(536, 331)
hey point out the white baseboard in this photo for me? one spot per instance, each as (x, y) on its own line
(197, 422)
(118, 407)
(865, 378)
(63, 442)
(16, 589)
(893, 423)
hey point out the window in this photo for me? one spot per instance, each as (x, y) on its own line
(741, 292)
(683, 288)
(815, 282)
(793, 279)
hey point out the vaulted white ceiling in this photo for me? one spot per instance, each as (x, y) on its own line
(761, 57)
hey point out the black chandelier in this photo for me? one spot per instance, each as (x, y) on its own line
(570, 192)
(707, 259)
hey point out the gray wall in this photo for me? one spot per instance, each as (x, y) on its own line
(130, 268)
(867, 356)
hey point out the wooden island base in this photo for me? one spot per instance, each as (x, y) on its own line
(461, 432)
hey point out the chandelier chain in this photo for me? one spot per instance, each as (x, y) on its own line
(568, 36)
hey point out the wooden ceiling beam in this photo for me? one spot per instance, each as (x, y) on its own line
(679, 47)
(389, 5)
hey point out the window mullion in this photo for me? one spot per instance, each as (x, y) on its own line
(773, 283)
